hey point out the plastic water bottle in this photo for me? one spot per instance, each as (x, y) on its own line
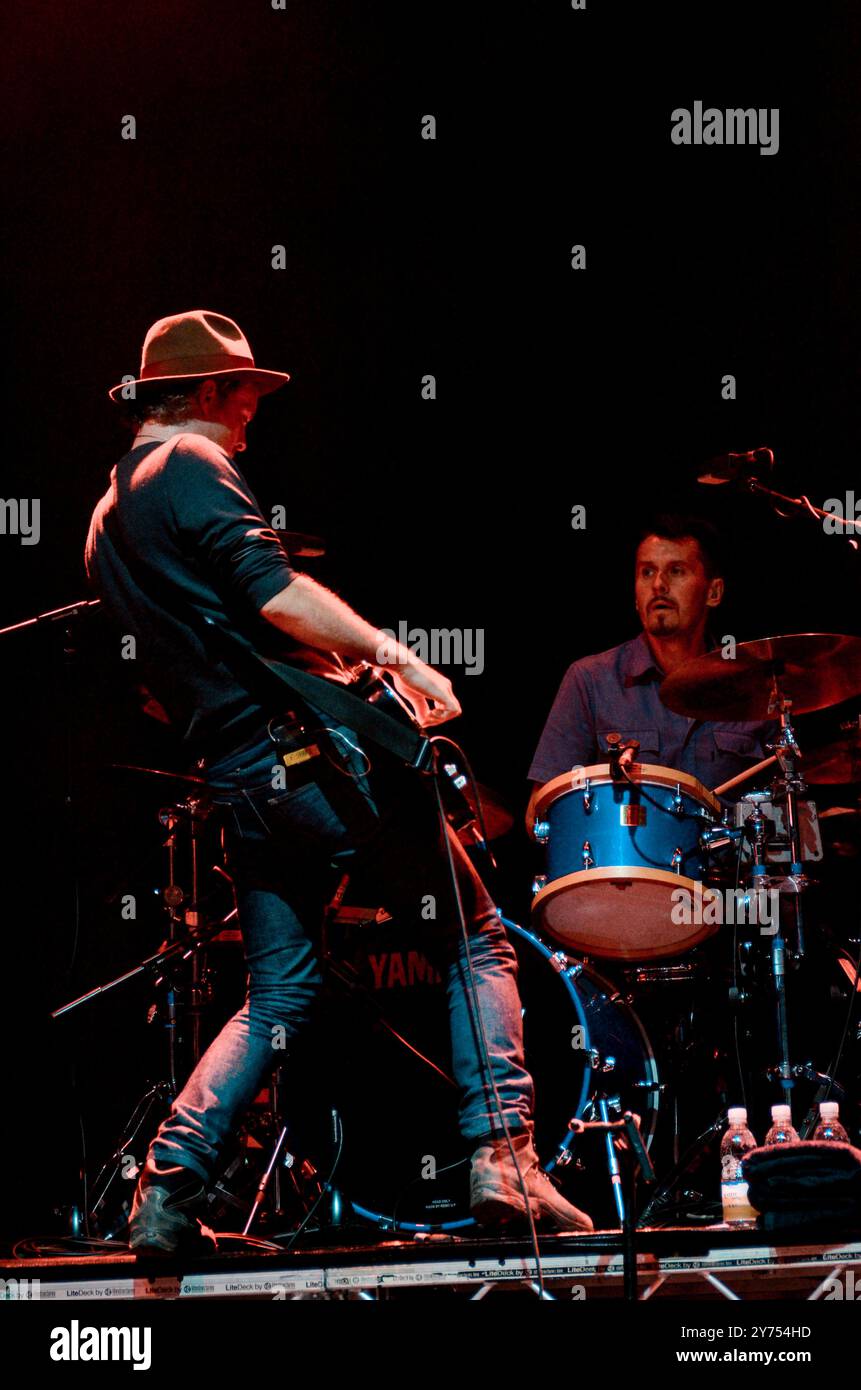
(736, 1143)
(829, 1127)
(781, 1131)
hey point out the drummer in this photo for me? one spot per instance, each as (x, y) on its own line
(678, 585)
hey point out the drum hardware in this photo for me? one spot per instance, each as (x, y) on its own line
(190, 931)
(600, 1063)
(775, 676)
(662, 1198)
(756, 837)
(659, 974)
(720, 837)
(563, 965)
(626, 1157)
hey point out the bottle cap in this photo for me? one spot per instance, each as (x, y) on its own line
(737, 1115)
(781, 1112)
(829, 1109)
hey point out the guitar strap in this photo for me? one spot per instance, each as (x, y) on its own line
(273, 678)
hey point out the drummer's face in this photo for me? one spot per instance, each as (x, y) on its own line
(672, 590)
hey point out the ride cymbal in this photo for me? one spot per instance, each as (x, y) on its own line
(812, 669)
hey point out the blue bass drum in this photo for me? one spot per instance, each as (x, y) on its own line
(625, 866)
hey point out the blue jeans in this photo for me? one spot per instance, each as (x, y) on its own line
(286, 841)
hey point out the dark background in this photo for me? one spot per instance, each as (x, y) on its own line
(404, 257)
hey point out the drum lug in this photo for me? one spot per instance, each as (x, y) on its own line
(678, 804)
(586, 852)
(541, 831)
(676, 861)
(599, 1063)
(560, 962)
(587, 795)
(539, 882)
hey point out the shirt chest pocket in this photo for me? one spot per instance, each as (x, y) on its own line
(736, 743)
(648, 739)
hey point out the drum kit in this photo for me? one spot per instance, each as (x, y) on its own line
(625, 845)
(630, 1004)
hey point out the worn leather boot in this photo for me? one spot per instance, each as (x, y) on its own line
(495, 1193)
(164, 1217)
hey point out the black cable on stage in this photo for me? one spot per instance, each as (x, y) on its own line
(473, 992)
(323, 1190)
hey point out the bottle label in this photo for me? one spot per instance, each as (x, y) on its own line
(735, 1202)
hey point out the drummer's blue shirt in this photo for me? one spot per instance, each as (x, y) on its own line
(617, 692)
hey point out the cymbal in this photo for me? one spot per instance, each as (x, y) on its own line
(186, 777)
(814, 670)
(840, 827)
(497, 818)
(835, 762)
(301, 544)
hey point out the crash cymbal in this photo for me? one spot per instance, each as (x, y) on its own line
(497, 818)
(813, 669)
(185, 777)
(836, 762)
(840, 827)
(299, 543)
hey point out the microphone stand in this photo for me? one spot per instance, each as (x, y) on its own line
(54, 615)
(67, 696)
(804, 506)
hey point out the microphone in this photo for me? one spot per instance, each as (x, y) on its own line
(726, 468)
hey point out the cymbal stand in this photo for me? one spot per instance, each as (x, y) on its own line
(786, 789)
(189, 932)
(626, 1156)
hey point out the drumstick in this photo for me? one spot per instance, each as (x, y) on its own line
(743, 776)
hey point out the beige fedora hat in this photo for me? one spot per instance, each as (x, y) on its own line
(198, 344)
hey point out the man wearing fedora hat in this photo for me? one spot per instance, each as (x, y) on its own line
(178, 548)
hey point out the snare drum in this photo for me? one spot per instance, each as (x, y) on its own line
(618, 854)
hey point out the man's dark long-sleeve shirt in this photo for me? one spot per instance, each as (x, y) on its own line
(178, 538)
(617, 692)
